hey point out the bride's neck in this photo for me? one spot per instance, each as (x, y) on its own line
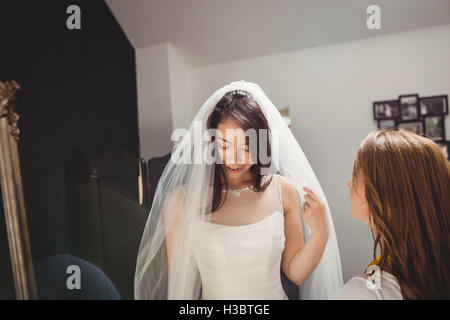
(241, 182)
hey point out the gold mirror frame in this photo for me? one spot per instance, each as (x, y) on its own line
(12, 195)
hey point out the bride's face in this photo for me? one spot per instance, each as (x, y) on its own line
(233, 149)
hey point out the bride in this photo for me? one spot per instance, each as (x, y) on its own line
(227, 213)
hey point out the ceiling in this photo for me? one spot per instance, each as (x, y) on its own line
(214, 31)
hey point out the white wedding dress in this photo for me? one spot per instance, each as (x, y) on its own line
(188, 253)
(242, 257)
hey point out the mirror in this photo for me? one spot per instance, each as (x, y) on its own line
(12, 195)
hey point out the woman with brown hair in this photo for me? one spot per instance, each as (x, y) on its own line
(400, 189)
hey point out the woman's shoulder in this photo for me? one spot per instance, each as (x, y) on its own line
(286, 184)
(372, 285)
(354, 289)
(178, 192)
(287, 189)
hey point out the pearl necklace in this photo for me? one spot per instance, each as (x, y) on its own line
(237, 192)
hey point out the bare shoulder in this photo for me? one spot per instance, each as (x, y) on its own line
(286, 183)
(288, 192)
(177, 193)
(175, 199)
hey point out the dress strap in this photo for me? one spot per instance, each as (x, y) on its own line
(280, 196)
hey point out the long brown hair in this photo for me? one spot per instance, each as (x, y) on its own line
(407, 186)
(242, 108)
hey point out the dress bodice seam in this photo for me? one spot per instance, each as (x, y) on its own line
(248, 224)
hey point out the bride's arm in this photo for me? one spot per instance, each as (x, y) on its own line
(300, 259)
(172, 220)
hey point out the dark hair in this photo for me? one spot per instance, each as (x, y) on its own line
(242, 108)
(407, 184)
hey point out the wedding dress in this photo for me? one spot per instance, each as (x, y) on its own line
(242, 257)
(236, 254)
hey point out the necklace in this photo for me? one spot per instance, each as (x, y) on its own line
(237, 192)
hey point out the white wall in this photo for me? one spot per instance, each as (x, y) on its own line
(163, 97)
(330, 90)
(154, 100)
(179, 89)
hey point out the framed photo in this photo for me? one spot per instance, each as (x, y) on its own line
(409, 106)
(434, 127)
(415, 126)
(436, 105)
(386, 109)
(444, 147)
(387, 124)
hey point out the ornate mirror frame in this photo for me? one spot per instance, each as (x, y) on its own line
(12, 195)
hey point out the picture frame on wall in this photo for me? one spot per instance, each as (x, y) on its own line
(424, 116)
(387, 124)
(435, 105)
(434, 127)
(444, 147)
(388, 109)
(409, 107)
(416, 126)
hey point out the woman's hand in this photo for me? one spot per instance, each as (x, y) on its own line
(314, 214)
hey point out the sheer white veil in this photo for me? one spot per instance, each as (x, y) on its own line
(166, 267)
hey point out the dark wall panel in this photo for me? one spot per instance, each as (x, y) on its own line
(78, 91)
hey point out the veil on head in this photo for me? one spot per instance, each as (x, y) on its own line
(166, 267)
